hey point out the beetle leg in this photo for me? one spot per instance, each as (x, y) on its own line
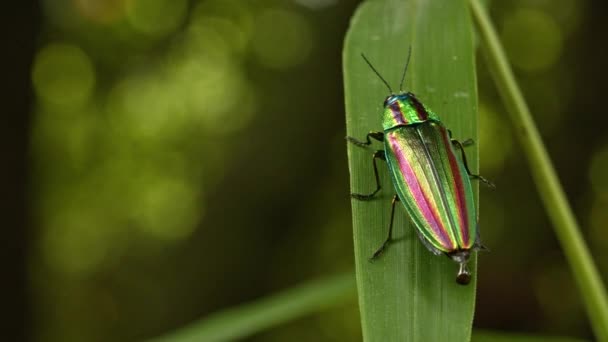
(362, 197)
(466, 166)
(468, 142)
(465, 143)
(390, 231)
(376, 135)
(478, 245)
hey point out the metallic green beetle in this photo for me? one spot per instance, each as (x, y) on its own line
(431, 181)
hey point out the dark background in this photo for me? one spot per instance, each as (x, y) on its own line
(166, 159)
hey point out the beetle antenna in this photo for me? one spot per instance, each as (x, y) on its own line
(377, 73)
(409, 54)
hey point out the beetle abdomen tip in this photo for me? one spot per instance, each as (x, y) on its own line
(463, 278)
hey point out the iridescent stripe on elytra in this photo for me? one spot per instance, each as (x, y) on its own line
(423, 203)
(459, 193)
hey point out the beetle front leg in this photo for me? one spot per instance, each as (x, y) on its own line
(377, 155)
(466, 166)
(390, 231)
(376, 135)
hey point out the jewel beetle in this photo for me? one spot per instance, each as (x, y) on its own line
(430, 179)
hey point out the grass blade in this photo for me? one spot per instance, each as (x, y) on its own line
(409, 294)
(566, 228)
(247, 319)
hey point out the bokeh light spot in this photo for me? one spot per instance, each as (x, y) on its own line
(156, 17)
(168, 208)
(229, 34)
(63, 75)
(232, 19)
(532, 39)
(143, 108)
(285, 47)
(214, 92)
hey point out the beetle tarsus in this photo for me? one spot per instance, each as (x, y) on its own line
(358, 142)
(481, 247)
(465, 143)
(468, 142)
(376, 135)
(380, 250)
(484, 181)
(364, 197)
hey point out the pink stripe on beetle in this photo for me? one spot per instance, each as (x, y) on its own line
(423, 203)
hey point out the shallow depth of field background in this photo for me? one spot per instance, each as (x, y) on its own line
(186, 156)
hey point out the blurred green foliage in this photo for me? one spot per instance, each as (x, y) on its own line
(188, 155)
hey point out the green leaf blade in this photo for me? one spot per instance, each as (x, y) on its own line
(408, 294)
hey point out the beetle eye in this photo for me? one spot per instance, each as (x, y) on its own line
(387, 100)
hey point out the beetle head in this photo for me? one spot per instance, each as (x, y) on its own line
(392, 98)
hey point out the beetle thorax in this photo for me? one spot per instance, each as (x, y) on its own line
(402, 110)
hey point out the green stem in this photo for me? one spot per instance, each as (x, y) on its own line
(566, 227)
(247, 319)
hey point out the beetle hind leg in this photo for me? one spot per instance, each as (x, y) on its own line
(389, 238)
(478, 245)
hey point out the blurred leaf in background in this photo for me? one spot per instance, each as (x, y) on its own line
(186, 156)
